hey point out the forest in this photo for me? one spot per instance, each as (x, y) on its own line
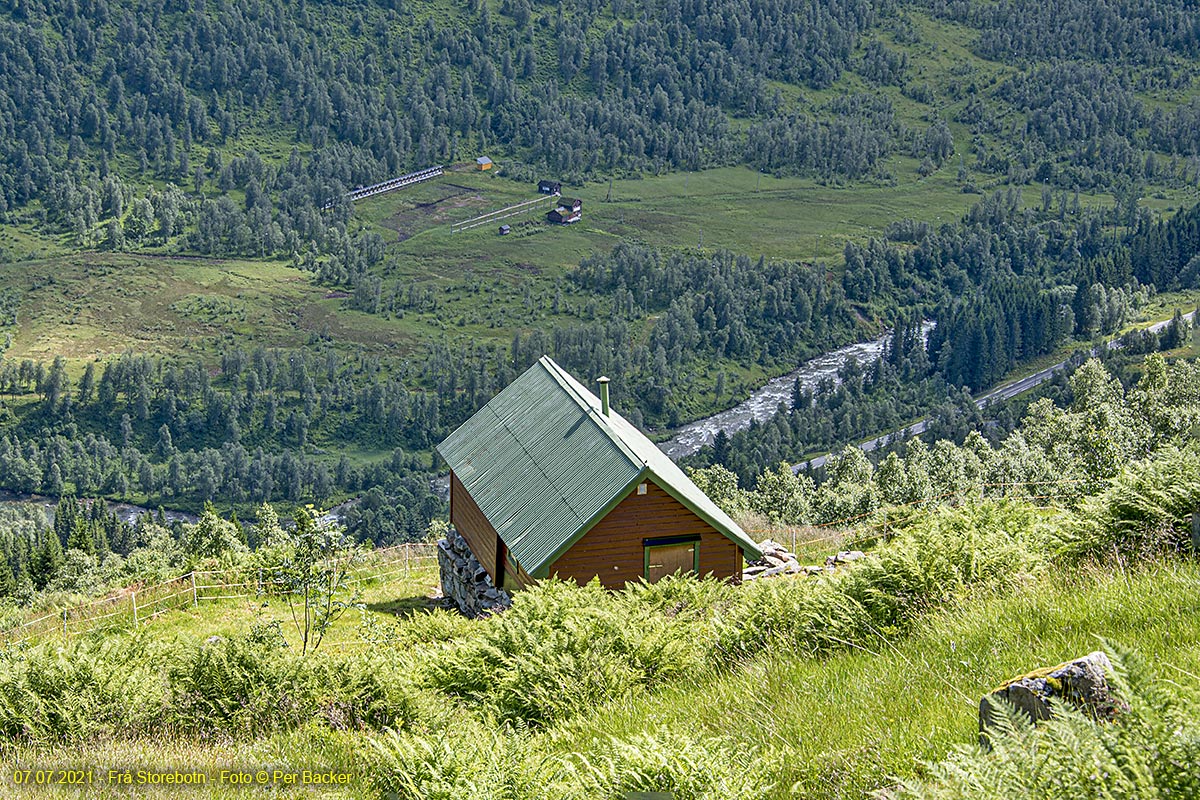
(223, 127)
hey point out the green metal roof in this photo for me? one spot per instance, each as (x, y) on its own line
(544, 465)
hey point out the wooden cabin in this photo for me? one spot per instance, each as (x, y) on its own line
(483, 163)
(547, 480)
(566, 212)
(550, 187)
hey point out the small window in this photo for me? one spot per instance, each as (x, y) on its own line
(665, 557)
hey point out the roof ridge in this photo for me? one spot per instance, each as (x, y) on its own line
(568, 383)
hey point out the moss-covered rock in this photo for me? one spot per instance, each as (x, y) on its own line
(1082, 682)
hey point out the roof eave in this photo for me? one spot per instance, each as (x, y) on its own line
(736, 535)
(542, 569)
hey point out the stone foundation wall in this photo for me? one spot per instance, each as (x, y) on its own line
(465, 581)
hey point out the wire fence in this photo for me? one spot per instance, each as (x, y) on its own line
(879, 522)
(132, 607)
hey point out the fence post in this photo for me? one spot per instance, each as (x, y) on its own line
(1196, 531)
(406, 552)
(64, 622)
(258, 584)
(195, 599)
(133, 600)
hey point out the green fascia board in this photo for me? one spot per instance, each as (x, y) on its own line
(543, 570)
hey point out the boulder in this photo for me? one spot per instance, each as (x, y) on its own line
(1083, 683)
(844, 557)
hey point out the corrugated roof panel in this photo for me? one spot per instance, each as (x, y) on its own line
(542, 462)
(671, 477)
(549, 469)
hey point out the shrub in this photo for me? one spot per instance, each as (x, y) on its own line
(77, 691)
(562, 648)
(242, 686)
(1146, 509)
(481, 761)
(944, 554)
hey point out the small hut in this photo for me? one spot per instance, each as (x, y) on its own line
(547, 480)
(483, 163)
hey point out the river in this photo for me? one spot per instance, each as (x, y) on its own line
(764, 402)
(128, 514)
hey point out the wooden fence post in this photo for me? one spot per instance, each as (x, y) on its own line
(406, 552)
(1196, 531)
(64, 622)
(195, 599)
(133, 599)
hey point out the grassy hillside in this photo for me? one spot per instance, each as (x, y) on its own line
(780, 722)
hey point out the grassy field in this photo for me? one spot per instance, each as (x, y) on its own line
(87, 305)
(834, 727)
(734, 208)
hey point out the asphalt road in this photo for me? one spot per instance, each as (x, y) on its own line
(1004, 392)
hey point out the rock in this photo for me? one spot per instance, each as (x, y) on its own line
(1082, 682)
(844, 557)
(773, 560)
(772, 571)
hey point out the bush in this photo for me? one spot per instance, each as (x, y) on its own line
(562, 648)
(242, 685)
(1147, 509)
(505, 765)
(939, 557)
(91, 687)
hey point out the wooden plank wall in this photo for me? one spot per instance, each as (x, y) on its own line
(613, 548)
(473, 525)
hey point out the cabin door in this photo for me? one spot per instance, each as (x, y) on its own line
(667, 559)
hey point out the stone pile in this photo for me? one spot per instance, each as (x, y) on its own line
(1083, 683)
(777, 560)
(843, 557)
(464, 580)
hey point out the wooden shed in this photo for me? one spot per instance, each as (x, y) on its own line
(547, 480)
(483, 163)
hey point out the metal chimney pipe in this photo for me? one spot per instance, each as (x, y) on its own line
(603, 381)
